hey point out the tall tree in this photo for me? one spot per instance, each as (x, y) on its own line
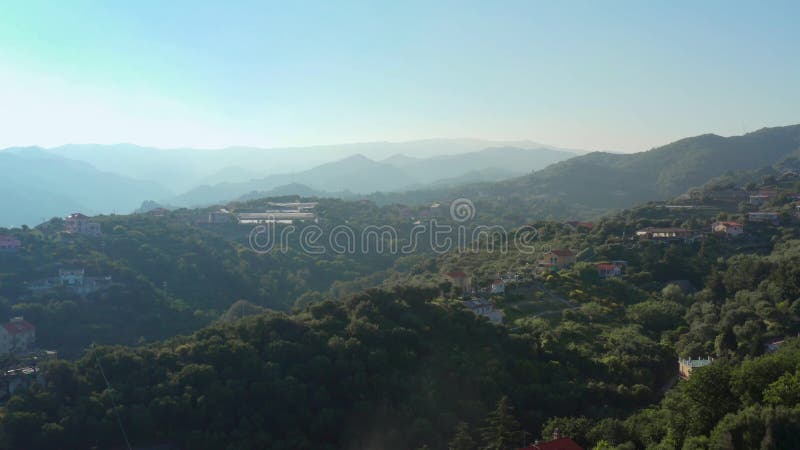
(501, 428)
(462, 440)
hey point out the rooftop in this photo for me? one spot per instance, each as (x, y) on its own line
(18, 325)
(558, 444)
(693, 363)
(456, 274)
(728, 224)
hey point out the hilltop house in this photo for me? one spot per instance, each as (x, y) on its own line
(686, 366)
(731, 229)
(607, 270)
(557, 259)
(17, 336)
(772, 217)
(460, 280)
(158, 212)
(664, 234)
(77, 223)
(9, 243)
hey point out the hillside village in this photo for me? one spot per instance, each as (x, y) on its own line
(583, 271)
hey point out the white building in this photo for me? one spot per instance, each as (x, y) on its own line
(71, 277)
(732, 229)
(485, 308)
(220, 216)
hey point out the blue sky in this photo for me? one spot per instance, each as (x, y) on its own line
(616, 75)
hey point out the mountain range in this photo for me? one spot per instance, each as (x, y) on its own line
(359, 174)
(592, 184)
(43, 183)
(181, 169)
(541, 181)
(36, 185)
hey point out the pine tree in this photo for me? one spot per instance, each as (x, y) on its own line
(502, 428)
(462, 440)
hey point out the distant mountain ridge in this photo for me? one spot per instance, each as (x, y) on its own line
(37, 185)
(558, 184)
(592, 184)
(180, 169)
(358, 174)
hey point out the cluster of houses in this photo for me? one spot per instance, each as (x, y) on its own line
(24, 373)
(558, 259)
(473, 299)
(73, 279)
(675, 234)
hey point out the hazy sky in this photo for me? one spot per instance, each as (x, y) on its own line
(619, 75)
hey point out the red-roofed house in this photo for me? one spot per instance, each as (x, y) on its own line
(556, 444)
(16, 336)
(606, 270)
(9, 243)
(78, 223)
(558, 259)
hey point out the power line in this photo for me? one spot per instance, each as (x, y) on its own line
(113, 402)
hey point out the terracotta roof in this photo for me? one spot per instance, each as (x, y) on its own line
(16, 327)
(558, 444)
(497, 282)
(456, 274)
(729, 224)
(606, 266)
(9, 240)
(562, 252)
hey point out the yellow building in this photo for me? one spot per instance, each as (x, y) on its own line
(558, 259)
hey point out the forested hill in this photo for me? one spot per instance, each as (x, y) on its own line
(171, 274)
(592, 184)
